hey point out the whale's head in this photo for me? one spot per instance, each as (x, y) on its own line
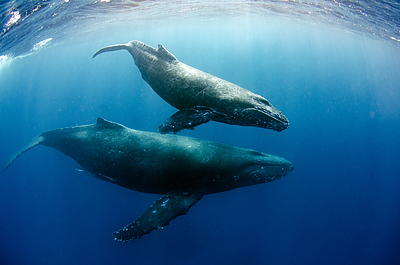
(262, 114)
(264, 168)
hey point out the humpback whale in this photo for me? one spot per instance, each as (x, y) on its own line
(181, 169)
(199, 96)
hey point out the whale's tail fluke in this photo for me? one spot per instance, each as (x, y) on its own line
(38, 140)
(112, 48)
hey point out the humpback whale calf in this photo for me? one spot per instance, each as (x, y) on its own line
(182, 169)
(200, 97)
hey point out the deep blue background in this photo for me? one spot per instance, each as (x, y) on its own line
(340, 205)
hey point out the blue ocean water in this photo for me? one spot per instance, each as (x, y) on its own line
(335, 75)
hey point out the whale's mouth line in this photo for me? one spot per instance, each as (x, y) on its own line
(281, 122)
(262, 172)
(267, 164)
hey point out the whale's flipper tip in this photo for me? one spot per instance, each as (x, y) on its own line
(36, 141)
(165, 209)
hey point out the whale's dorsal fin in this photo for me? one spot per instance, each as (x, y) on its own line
(162, 52)
(168, 207)
(105, 124)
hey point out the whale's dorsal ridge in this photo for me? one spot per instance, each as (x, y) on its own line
(105, 124)
(162, 52)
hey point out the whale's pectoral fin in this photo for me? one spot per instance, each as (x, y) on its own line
(186, 119)
(165, 209)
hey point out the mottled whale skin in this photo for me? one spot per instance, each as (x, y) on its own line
(200, 97)
(183, 169)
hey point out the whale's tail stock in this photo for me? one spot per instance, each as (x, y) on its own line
(112, 48)
(36, 141)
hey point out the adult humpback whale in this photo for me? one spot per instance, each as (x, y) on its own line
(200, 97)
(183, 169)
